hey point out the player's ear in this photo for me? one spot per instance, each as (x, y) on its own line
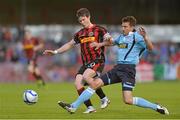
(89, 17)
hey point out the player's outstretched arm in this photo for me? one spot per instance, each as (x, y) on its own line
(62, 49)
(146, 38)
(49, 52)
(40, 46)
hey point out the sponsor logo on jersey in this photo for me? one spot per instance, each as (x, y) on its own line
(30, 46)
(87, 39)
(123, 45)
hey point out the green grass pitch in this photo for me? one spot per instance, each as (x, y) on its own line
(13, 107)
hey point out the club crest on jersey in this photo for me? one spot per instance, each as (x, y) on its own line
(91, 34)
(123, 45)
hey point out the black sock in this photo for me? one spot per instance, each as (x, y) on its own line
(88, 102)
(100, 93)
(39, 77)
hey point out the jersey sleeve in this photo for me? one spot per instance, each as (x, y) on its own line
(75, 38)
(36, 41)
(141, 41)
(105, 34)
(115, 41)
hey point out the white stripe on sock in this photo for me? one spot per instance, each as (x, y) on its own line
(134, 100)
(90, 90)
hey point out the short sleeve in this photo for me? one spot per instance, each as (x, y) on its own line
(36, 41)
(115, 41)
(76, 39)
(103, 33)
(103, 30)
(140, 41)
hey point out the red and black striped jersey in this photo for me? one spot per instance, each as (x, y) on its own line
(86, 36)
(28, 46)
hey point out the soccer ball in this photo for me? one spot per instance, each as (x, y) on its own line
(30, 97)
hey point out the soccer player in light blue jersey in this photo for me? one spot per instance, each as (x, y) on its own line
(131, 45)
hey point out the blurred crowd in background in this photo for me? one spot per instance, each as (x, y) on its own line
(163, 63)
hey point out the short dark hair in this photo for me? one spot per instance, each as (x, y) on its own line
(130, 19)
(82, 12)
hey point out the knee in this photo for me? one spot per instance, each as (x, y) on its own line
(78, 84)
(86, 77)
(128, 101)
(30, 69)
(93, 85)
(96, 84)
(36, 72)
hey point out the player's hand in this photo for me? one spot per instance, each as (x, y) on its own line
(142, 31)
(96, 45)
(49, 52)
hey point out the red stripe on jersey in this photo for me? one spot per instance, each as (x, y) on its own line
(92, 48)
(84, 58)
(86, 52)
(28, 46)
(87, 46)
(86, 36)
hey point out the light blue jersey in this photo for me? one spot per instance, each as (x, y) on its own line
(130, 48)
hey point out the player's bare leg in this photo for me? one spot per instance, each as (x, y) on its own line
(36, 73)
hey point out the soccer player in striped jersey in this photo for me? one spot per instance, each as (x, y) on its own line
(93, 60)
(31, 46)
(131, 45)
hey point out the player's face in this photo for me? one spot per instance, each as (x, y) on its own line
(27, 35)
(126, 28)
(84, 21)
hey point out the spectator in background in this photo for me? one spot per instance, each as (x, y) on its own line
(7, 35)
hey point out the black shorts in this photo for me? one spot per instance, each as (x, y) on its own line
(124, 73)
(96, 66)
(33, 60)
